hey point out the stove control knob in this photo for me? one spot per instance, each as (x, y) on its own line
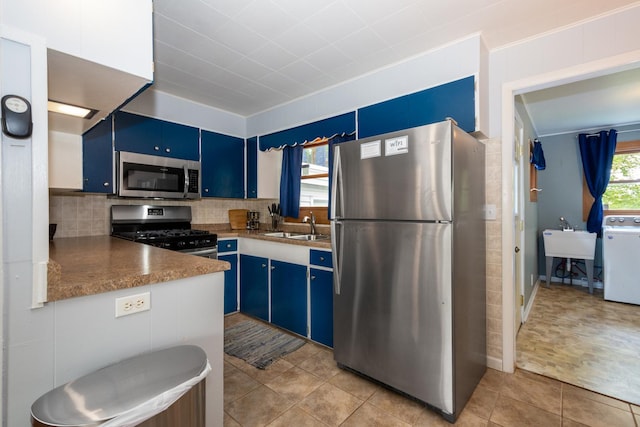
(182, 244)
(636, 220)
(612, 219)
(621, 220)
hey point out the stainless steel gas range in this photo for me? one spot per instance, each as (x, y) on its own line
(167, 227)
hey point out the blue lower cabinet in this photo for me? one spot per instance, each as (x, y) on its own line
(289, 296)
(321, 306)
(254, 286)
(230, 284)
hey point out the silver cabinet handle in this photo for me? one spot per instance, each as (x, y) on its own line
(273, 268)
(264, 265)
(228, 245)
(167, 150)
(105, 184)
(156, 148)
(206, 190)
(321, 258)
(313, 277)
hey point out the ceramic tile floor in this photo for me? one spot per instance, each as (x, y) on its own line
(306, 388)
(583, 340)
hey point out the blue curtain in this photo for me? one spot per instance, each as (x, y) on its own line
(290, 181)
(597, 155)
(537, 156)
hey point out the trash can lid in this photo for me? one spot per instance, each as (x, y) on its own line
(104, 394)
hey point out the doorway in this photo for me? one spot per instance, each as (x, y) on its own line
(511, 227)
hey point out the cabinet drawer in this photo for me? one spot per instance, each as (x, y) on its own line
(321, 258)
(227, 246)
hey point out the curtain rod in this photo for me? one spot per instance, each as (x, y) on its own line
(620, 131)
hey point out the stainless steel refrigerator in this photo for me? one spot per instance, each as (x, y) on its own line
(408, 239)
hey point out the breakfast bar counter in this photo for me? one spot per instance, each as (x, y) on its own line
(81, 266)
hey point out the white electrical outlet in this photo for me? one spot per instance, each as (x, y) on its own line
(133, 304)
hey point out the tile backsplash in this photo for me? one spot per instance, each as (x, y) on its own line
(79, 214)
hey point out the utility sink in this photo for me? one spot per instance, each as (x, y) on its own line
(569, 244)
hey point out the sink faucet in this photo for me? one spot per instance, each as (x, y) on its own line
(312, 222)
(565, 224)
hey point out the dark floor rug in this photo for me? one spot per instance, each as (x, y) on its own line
(258, 344)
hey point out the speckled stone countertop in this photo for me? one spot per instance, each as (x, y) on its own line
(80, 266)
(224, 231)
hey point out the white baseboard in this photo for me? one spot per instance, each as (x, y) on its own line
(494, 363)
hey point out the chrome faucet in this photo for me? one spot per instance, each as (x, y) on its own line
(312, 222)
(565, 224)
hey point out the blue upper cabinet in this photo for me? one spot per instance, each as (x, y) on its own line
(147, 135)
(252, 168)
(455, 100)
(222, 165)
(97, 159)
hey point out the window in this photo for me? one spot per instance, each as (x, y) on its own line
(623, 192)
(314, 188)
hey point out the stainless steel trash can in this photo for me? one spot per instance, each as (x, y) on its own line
(147, 390)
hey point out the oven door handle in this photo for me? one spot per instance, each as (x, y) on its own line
(203, 252)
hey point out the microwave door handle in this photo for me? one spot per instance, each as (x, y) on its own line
(186, 181)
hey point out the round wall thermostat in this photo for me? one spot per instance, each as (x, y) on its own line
(16, 116)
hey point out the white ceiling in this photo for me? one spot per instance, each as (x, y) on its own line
(597, 103)
(247, 56)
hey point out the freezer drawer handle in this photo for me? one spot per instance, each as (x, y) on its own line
(336, 253)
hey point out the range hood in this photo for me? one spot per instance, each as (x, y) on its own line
(76, 81)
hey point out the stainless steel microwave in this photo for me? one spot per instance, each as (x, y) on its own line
(143, 175)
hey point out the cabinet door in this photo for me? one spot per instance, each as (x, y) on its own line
(146, 135)
(289, 296)
(321, 306)
(230, 284)
(137, 134)
(254, 286)
(252, 168)
(179, 141)
(97, 159)
(222, 165)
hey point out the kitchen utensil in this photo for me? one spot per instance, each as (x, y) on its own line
(238, 218)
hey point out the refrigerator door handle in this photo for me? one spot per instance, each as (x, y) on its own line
(336, 253)
(337, 198)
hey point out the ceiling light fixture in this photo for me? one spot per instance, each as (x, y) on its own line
(70, 110)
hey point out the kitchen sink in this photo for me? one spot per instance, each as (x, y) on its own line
(309, 237)
(296, 236)
(282, 234)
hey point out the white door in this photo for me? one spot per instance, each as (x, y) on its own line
(518, 217)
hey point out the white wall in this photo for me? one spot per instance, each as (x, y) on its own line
(448, 63)
(108, 32)
(65, 160)
(152, 103)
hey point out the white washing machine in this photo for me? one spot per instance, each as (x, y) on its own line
(621, 258)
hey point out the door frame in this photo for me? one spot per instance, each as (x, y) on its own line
(510, 89)
(519, 236)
